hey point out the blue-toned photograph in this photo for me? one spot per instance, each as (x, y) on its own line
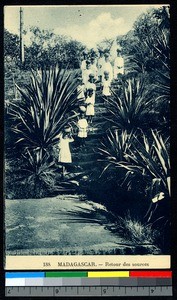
(87, 130)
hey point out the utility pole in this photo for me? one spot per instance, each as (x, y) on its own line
(22, 54)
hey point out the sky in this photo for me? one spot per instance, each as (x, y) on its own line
(87, 24)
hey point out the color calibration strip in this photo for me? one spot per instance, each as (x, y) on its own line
(96, 278)
(80, 284)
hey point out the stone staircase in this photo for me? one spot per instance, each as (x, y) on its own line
(86, 159)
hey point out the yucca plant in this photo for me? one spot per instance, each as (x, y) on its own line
(136, 60)
(142, 158)
(46, 106)
(151, 159)
(114, 147)
(162, 84)
(38, 172)
(159, 48)
(40, 175)
(130, 111)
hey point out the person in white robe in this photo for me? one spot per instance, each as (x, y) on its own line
(100, 63)
(91, 85)
(65, 157)
(106, 85)
(87, 72)
(118, 65)
(83, 62)
(82, 125)
(90, 101)
(94, 68)
(107, 67)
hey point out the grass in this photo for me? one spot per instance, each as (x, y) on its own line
(136, 233)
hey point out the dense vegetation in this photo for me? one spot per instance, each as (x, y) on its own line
(44, 49)
(133, 154)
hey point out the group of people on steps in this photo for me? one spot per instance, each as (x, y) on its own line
(94, 70)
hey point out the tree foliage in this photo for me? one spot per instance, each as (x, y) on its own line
(44, 48)
(147, 45)
(11, 46)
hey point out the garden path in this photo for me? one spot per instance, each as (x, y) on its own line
(57, 226)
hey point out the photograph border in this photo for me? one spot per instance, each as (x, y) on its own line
(173, 116)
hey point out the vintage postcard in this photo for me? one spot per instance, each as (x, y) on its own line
(87, 128)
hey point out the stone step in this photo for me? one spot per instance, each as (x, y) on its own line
(102, 105)
(88, 163)
(94, 130)
(94, 136)
(84, 159)
(87, 152)
(92, 146)
(101, 123)
(89, 149)
(78, 149)
(100, 117)
(97, 122)
(100, 111)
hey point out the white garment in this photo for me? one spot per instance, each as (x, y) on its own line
(83, 65)
(90, 85)
(85, 75)
(108, 68)
(94, 71)
(106, 87)
(82, 125)
(118, 66)
(80, 92)
(101, 62)
(65, 153)
(90, 101)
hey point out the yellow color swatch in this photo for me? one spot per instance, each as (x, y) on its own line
(109, 274)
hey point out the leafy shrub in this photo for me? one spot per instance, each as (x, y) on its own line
(145, 162)
(45, 108)
(133, 108)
